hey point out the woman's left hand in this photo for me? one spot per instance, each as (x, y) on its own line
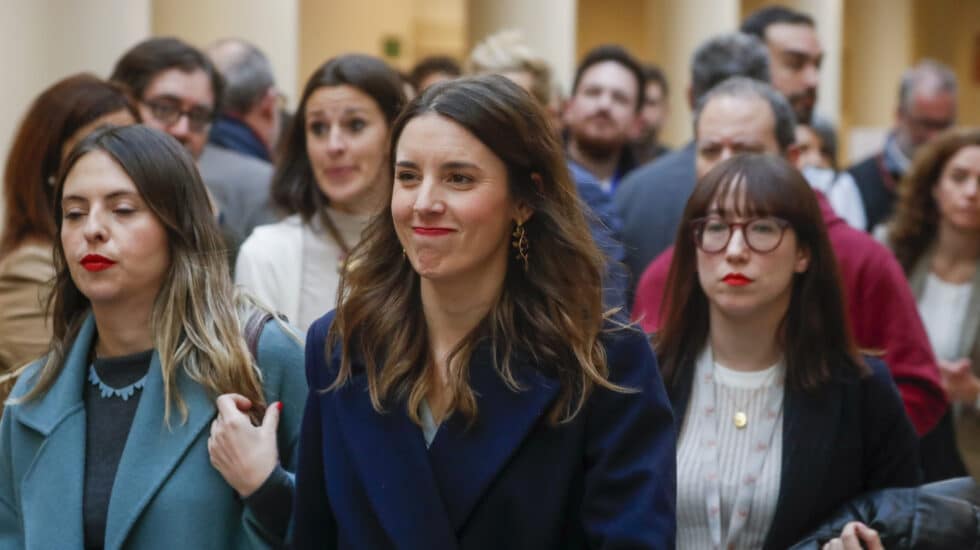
(959, 381)
(851, 538)
(243, 454)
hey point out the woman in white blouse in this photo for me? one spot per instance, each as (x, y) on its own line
(330, 180)
(935, 233)
(780, 421)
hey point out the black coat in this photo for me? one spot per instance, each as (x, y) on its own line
(877, 187)
(937, 516)
(849, 437)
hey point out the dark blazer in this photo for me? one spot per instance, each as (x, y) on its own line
(241, 185)
(650, 202)
(606, 479)
(849, 437)
(877, 187)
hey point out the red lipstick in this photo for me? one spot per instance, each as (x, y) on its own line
(432, 231)
(736, 279)
(95, 262)
(340, 172)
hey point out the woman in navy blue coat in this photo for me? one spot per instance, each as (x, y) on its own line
(470, 391)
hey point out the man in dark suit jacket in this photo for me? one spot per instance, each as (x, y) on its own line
(651, 198)
(926, 107)
(240, 185)
(250, 120)
(236, 164)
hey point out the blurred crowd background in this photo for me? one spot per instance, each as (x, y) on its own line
(868, 43)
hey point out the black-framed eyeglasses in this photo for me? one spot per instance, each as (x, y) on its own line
(712, 234)
(167, 111)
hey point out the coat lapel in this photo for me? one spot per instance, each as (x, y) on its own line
(970, 333)
(52, 487)
(679, 394)
(153, 449)
(465, 459)
(389, 452)
(809, 424)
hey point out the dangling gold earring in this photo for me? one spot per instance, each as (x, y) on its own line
(521, 244)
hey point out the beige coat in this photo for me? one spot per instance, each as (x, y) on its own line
(968, 418)
(25, 278)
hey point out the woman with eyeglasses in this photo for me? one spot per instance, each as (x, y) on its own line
(167, 411)
(58, 119)
(780, 420)
(330, 180)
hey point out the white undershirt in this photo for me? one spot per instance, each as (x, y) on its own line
(842, 193)
(735, 390)
(943, 307)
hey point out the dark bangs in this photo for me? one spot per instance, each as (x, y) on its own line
(765, 186)
(815, 333)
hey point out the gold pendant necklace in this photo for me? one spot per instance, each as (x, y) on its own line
(741, 420)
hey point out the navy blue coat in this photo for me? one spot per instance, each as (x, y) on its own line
(606, 479)
(848, 437)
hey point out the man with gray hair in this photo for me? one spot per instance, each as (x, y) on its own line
(236, 163)
(926, 107)
(249, 121)
(742, 115)
(651, 199)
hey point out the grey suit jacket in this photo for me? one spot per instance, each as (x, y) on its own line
(650, 202)
(240, 184)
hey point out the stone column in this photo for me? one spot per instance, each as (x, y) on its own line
(42, 41)
(272, 26)
(548, 27)
(877, 38)
(678, 27)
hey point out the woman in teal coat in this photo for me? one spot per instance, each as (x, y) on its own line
(166, 412)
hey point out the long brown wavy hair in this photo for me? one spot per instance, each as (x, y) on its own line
(196, 319)
(815, 334)
(294, 188)
(915, 224)
(552, 312)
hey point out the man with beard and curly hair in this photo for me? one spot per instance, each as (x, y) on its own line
(602, 115)
(600, 119)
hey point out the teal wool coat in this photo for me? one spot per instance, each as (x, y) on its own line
(166, 493)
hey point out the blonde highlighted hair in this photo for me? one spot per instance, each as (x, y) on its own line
(197, 316)
(505, 52)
